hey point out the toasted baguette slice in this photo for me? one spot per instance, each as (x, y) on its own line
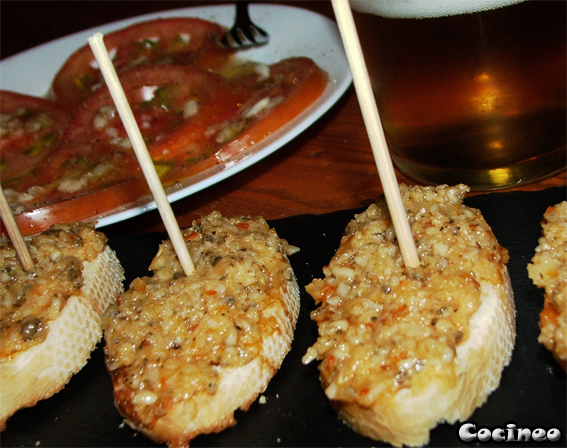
(185, 352)
(401, 349)
(44, 345)
(548, 270)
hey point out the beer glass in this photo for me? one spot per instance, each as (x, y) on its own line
(469, 91)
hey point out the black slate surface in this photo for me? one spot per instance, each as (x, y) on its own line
(296, 412)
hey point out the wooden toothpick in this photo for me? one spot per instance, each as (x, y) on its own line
(148, 168)
(375, 131)
(14, 232)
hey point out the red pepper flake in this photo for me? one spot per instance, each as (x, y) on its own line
(364, 392)
(549, 314)
(243, 225)
(327, 291)
(331, 362)
(191, 236)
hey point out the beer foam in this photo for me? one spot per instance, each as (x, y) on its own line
(422, 9)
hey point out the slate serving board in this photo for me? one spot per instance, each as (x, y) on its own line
(296, 411)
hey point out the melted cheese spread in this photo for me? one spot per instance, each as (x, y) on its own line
(169, 335)
(30, 300)
(548, 270)
(383, 327)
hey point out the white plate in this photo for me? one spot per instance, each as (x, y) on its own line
(293, 32)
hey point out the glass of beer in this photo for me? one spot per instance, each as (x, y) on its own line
(469, 91)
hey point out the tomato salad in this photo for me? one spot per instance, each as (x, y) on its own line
(68, 157)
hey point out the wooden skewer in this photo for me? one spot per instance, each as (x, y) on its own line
(14, 232)
(375, 131)
(148, 168)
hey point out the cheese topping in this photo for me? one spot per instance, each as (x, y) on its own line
(30, 300)
(168, 335)
(548, 270)
(382, 326)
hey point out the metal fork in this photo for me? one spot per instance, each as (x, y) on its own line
(244, 33)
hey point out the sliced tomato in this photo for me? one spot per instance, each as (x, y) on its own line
(30, 128)
(174, 106)
(270, 97)
(286, 90)
(186, 41)
(191, 120)
(81, 208)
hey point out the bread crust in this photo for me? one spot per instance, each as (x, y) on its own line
(180, 412)
(416, 396)
(45, 368)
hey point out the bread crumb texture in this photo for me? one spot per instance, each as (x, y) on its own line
(388, 332)
(31, 300)
(548, 270)
(170, 337)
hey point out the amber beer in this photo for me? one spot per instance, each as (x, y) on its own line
(469, 91)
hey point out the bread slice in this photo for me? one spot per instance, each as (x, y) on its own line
(548, 270)
(185, 352)
(44, 368)
(401, 349)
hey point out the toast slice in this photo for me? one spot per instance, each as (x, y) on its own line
(402, 350)
(51, 316)
(185, 352)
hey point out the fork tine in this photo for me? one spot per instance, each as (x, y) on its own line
(259, 35)
(240, 36)
(226, 40)
(244, 23)
(244, 33)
